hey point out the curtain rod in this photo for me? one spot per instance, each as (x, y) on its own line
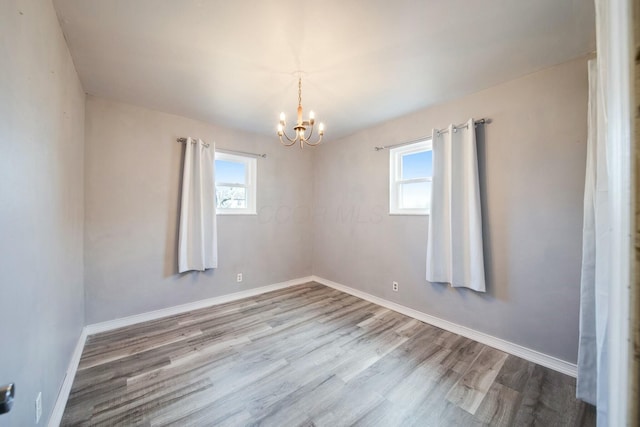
(428, 138)
(224, 150)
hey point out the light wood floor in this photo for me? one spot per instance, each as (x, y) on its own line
(313, 356)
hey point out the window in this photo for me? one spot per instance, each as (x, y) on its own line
(235, 184)
(410, 172)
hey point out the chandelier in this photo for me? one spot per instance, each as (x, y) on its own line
(301, 126)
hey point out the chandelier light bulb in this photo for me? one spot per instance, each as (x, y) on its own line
(282, 117)
(321, 128)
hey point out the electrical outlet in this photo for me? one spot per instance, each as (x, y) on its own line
(394, 286)
(38, 407)
(239, 278)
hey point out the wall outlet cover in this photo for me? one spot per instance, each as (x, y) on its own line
(239, 278)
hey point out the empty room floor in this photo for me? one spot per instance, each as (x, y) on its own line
(310, 355)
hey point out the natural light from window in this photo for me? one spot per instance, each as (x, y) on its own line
(235, 184)
(410, 173)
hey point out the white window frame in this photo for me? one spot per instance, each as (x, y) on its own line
(250, 170)
(396, 181)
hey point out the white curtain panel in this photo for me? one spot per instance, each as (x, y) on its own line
(198, 244)
(454, 246)
(593, 359)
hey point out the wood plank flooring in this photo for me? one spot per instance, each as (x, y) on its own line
(310, 356)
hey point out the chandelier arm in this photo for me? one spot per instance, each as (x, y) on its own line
(285, 144)
(287, 136)
(315, 143)
(310, 133)
(292, 141)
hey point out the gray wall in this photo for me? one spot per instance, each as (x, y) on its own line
(532, 160)
(41, 208)
(132, 180)
(532, 166)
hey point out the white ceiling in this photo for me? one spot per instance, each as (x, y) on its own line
(232, 62)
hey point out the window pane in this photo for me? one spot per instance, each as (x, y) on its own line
(415, 195)
(417, 165)
(230, 172)
(228, 197)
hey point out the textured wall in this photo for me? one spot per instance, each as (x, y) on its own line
(133, 175)
(41, 209)
(532, 165)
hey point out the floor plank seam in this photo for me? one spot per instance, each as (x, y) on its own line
(309, 354)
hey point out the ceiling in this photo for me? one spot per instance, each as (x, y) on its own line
(233, 63)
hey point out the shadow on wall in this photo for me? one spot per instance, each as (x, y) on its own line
(173, 233)
(495, 287)
(487, 238)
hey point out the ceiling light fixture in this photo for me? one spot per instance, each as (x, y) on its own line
(301, 126)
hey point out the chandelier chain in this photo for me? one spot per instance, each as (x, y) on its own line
(299, 90)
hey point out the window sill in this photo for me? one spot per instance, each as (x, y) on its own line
(409, 213)
(236, 213)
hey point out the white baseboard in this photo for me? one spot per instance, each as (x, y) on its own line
(63, 396)
(110, 325)
(498, 343)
